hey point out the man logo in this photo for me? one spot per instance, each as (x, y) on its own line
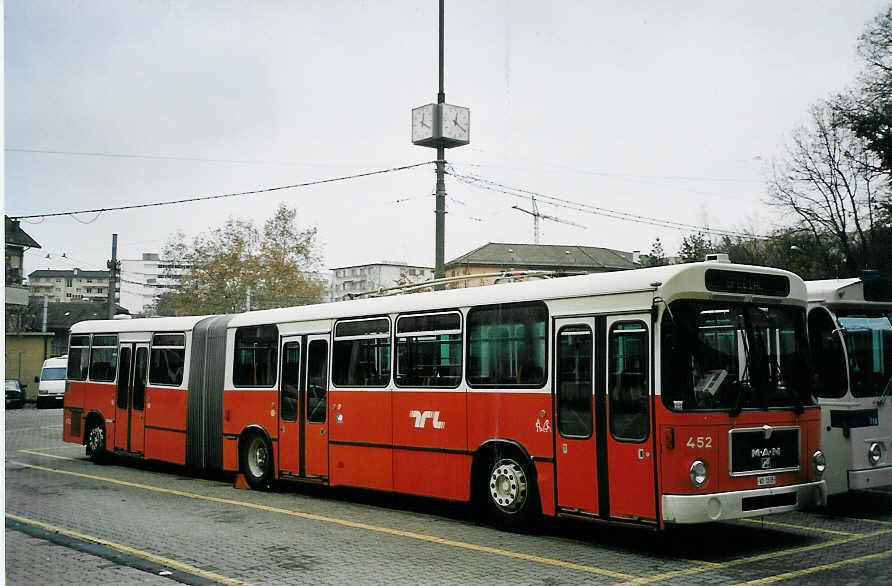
(421, 418)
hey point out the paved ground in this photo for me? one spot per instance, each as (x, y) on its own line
(70, 521)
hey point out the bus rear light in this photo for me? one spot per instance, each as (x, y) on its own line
(669, 437)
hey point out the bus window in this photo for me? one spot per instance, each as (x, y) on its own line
(828, 359)
(507, 345)
(256, 357)
(732, 356)
(78, 357)
(362, 353)
(573, 387)
(628, 382)
(869, 343)
(428, 350)
(168, 358)
(104, 358)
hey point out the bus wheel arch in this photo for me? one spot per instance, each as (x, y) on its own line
(504, 486)
(95, 437)
(255, 457)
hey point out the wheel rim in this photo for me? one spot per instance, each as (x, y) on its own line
(96, 440)
(258, 458)
(508, 485)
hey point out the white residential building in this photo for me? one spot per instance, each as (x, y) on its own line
(144, 279)
(350, 281)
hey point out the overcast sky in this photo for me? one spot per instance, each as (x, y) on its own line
(662, 109)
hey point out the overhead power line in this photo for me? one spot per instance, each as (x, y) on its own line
(225, 195)
(490, 185)
(163, 157)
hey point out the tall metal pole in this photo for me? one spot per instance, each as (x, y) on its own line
(440, 231)
(112, 268)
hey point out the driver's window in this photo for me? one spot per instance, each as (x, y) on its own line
(317, 366)
(828, 359)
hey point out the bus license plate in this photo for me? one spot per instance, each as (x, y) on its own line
(766, 480)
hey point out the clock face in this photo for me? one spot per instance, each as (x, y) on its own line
(423, 122)
(456, 123)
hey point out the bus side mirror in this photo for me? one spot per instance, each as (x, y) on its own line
(37, 379)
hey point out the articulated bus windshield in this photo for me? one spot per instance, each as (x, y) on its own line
(733, 356)
(868, 338)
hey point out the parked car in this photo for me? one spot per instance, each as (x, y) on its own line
(15, 394)
(52, 382)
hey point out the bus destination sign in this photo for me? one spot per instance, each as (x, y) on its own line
(724, 281)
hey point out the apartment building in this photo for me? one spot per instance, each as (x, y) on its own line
(69, 285)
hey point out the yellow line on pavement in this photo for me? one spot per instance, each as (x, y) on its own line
(342, 522)
(794, 526)
(33, 453)
(131, 551)
(756, 558)
(815, 569)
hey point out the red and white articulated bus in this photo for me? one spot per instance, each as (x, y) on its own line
(675, 394)
(850, 331)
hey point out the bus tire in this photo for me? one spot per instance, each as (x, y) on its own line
(508, 491)
(256, 461)
(94, 440)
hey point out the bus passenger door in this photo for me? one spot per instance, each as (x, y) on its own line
(315, 407)
(289, 418)
(138, 399)
(131, 397)
(578, 437)
(122, 397)
(630, 442)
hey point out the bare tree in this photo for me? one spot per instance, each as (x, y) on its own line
(834, 185)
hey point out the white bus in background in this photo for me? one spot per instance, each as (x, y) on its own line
(850, 332)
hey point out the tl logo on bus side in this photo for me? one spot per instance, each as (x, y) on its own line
(422, 417)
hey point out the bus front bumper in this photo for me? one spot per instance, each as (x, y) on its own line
(870, 478)
(703, 508)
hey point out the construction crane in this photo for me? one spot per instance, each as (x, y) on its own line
(537, 215)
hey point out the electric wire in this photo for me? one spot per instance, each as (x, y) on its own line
(226, 195)
(484, 183)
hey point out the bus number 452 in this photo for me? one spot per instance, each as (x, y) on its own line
(699, 442)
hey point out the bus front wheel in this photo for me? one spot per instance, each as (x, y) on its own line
(510, 491)
(96, 443)
(256, 461)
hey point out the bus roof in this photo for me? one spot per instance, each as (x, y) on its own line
(844, 291)
(150, 324)
(667, 281)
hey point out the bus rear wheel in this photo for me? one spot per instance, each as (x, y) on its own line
(256, 461)
(95, 443)
(510, 492)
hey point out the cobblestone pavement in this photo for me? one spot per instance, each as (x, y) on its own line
(204, 531)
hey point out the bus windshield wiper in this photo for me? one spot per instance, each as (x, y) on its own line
(882, 400)
(744, 383)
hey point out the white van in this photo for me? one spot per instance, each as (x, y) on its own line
(52, 382)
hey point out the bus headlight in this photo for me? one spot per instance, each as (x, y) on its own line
(698, 473)
(874, 453)
(820, 462)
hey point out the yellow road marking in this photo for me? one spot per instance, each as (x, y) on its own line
(879, 521)
(794, 526)
(757, 558)
(336, 521)
(33, 453)
(131, 551)
(815, 569)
